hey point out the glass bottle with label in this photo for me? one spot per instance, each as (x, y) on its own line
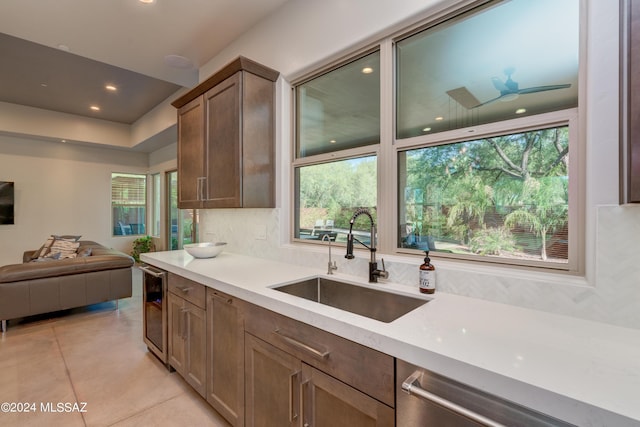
(427, 276)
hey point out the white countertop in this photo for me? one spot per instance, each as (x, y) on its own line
(581, 371)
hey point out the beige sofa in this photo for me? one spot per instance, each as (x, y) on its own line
(41, 287)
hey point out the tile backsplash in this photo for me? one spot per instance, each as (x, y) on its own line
(613, 297)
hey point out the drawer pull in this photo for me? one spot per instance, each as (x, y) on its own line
(186, 289)
(412, 386)
(302, 346)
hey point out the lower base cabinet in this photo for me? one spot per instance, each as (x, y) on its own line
(225, 356)
(187, 349)
(272, 385)
(327, 402)
(281, 390)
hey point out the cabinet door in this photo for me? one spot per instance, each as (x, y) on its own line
(191, 154)
(328, 402)
(176, 332)
(187, 347)
(223, 145)
(196, 348)
(225, 357)
(272, 385)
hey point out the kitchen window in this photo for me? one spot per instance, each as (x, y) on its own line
(479, 157)
(475, 179)
(337, 134)
(128, 203)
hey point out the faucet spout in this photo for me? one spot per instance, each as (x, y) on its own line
(330, 266)
(374, 273)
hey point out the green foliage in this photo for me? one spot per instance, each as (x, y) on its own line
(481, 186)
(336, 190)
(142, 245)
(492, 241)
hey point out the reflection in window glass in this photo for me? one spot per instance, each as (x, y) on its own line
(513, 59)
(128, 203)
(328, 194)
(339, 109)
(504, 196)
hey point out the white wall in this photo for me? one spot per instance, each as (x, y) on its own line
(303, 33)
(61, 189)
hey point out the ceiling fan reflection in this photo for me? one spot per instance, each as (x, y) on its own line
(509, 90)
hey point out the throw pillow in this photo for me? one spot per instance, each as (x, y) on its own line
(48, 257)
(45, 248)
(66, 248)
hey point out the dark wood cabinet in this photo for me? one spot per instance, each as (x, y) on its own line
(226, 139)
(225, 356)
(296, 374)
(191, 151)
(272, 385)
(631, 100)
(186, 331)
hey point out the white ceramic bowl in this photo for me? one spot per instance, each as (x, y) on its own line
(205, 249)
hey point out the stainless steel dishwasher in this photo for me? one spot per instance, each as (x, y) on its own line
(425, 399)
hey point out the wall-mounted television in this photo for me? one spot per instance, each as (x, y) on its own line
(6, 202)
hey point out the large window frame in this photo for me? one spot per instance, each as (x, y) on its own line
(388, 149)
(300, 161)
(127, 223)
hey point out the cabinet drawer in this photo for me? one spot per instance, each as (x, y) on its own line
(188, 289)
(363, 368)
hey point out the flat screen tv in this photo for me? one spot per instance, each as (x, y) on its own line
(6, 202)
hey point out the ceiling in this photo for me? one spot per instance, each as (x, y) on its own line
(59, 55)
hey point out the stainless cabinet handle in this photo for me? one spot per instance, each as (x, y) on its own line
(200, 181)
(184, 323)
(200, 187)
(186, 289)
(294, 396)
(412, 386)
(150, 271)
(302, 346)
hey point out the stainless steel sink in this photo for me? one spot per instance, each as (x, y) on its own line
(371, 303)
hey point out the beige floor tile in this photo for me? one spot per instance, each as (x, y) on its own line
(187, 409)
(96, 356)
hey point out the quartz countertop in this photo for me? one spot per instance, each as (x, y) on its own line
(584, 372)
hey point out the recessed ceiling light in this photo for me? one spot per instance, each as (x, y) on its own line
(95, 108)
(427, 129)
(111, 88)
(521, 110)
(63, 140)
(439, 119)
(333, 141)
(367, 70)
(146, 1)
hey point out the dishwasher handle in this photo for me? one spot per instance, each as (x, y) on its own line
(412, 386)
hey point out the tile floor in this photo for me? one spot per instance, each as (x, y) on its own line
(94, 356)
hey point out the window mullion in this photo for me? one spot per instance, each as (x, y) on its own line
(387, 188)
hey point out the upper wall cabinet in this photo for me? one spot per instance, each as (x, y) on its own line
(226, 139)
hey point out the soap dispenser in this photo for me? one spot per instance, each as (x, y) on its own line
(427, 276)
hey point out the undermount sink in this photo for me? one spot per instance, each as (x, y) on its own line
(372, 303)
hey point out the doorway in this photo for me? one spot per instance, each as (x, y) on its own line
(182, 223)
